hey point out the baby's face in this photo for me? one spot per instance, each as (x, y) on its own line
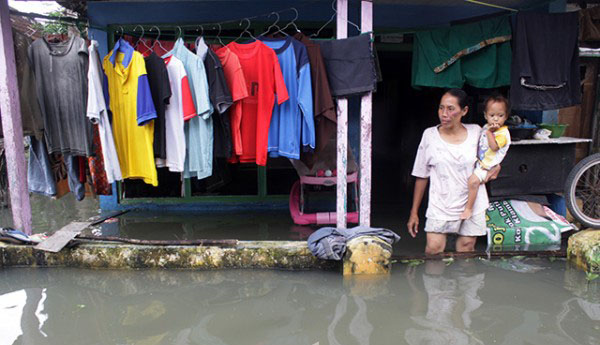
(496, 114)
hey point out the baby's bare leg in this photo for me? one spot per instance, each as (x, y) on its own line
(473, 185)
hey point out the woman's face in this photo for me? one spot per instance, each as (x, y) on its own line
(450, 111)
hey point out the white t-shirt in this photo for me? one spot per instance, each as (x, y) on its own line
(96, 113)
(448, 168)
(180, 108)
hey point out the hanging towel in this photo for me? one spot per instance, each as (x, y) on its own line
(545, 69)
(351, 67)
(477, 54)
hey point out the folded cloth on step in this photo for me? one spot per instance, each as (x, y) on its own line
(330, 243)
(13, 236)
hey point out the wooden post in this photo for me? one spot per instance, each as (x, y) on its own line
(342, 127)
(12, 126)
(366, 110)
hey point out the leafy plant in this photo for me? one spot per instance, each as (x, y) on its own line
(591, 276)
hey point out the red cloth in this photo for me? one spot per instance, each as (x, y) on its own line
(236, 82)
(99, 181)
(264, 82)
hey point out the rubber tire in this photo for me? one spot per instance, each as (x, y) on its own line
(570, 184)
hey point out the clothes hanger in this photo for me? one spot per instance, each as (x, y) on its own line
(293, 22)
(141, 38)
(199, 37)
(245, 30)
(180, 33)
(121, 36)
(331, 19)
(157, 39)
(219, 37)
(274, 25)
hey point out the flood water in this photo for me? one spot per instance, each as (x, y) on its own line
(525, 301)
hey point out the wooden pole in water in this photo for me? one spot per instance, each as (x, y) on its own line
(366, 116)
(342, 127)
(12, 126)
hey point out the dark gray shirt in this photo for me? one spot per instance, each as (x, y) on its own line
(61, 81)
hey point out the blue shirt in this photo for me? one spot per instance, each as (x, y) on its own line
(199, 129)
(292, 124)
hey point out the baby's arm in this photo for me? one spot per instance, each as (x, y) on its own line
(491, 138)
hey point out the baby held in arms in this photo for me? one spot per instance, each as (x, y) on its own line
(493, 145)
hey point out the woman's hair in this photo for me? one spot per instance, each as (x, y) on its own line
(497, 98)
(460, 95)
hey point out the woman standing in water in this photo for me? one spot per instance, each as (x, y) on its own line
(446, 156)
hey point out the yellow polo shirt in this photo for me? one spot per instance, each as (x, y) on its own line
(132, 108)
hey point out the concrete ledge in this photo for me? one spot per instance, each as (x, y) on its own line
(289, 255)
(584, 250)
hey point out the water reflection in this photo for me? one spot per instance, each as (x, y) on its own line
(463, 303)
(443, 311)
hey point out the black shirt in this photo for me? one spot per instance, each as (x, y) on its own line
(160, 88)
(220, 98)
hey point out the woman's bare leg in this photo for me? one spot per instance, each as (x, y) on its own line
(436, 243)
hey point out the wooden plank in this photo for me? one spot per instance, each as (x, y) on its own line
(366, 121)
(59, 239)
(229, 243)
(12, 126)
(342, 128)
(108, 216)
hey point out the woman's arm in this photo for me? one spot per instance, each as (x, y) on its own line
(413, 221)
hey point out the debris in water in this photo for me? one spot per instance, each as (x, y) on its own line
(448, 261)
(415, 262)
(513, 264)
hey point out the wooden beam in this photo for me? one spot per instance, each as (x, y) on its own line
(61, 238)
(366, 117)
(12, 126)
(342, 127)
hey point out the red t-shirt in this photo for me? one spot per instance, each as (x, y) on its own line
(234, 75)
(264, 82)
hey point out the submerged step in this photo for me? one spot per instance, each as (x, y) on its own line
(292, 255)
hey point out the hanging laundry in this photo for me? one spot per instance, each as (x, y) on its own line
(98, 114)
(323, 105)
(199, 129)
(350, 63)
(61, 83)
(266, 86)
(589, 26)
(477, 54)
(98, 175)
(130, 100)
(31, 117)
(161, 92)
(220, 98)
(40, 178)
(236, 82)
(545, 69)
(292, 123)
(180, 109)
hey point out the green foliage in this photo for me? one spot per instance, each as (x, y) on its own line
(57, 27)
(591, 276)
